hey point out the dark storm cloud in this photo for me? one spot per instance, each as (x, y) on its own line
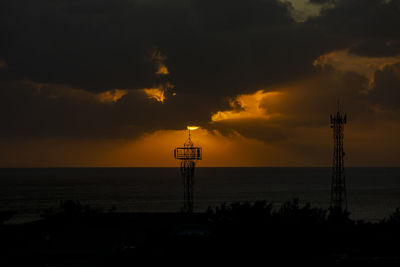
(98, 45)
(362, 18)
(252, 128)
(33, 110)
(59, 42)
(376, 48)
(234, 15)
(388, 84)
(371, 26)
(214, 50)
(320, 2)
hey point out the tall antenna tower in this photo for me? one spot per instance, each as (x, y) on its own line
(188, 155)
(338, 187)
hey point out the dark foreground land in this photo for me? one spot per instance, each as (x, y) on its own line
(253, 234)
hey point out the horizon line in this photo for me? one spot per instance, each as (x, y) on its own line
(131, 167)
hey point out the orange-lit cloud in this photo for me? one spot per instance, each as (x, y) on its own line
(158, 93)
(343, 61)
(162, 70)
(57, 91)
(155, 93)
(111, 96)
(248, 106)
(159, 60)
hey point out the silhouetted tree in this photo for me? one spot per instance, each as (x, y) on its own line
(70, 208)
(339, 216)
(394, 219)
(292, 213)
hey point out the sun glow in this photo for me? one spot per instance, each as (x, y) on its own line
(192, 128)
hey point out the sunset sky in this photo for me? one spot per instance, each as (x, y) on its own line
(115, 83)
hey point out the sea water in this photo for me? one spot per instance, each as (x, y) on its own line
(373, 193)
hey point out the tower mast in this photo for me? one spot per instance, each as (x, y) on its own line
(338, 187)
(188, 155)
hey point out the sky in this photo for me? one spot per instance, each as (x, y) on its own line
(96, 83)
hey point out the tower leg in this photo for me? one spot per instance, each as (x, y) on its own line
(338, 187)
(187, 171)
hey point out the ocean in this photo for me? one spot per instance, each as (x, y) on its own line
(373, 193)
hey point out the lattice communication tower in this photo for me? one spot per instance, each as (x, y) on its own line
(338, 187)
(188, 155)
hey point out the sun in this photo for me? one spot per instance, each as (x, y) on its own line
(192, 128)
